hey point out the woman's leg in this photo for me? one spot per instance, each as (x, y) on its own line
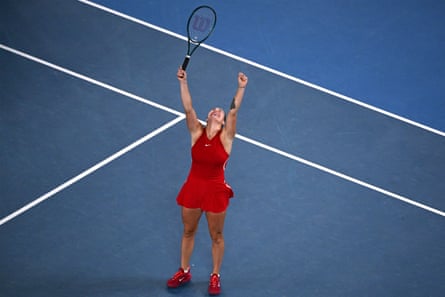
(190, 220)
(215, 222)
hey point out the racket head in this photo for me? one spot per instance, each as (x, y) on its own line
(201, 23)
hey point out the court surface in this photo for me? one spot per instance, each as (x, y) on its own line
(332, 198)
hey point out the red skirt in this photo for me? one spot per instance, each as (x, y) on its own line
(211, 196)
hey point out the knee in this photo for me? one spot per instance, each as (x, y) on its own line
(217, 237)
(189, 232)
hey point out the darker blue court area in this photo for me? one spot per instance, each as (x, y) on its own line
(331, 198)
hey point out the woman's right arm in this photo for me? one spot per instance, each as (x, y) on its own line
(193, 123)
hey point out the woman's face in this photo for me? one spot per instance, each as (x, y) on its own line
(216, 114)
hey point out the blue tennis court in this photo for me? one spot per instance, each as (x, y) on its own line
(334, 196)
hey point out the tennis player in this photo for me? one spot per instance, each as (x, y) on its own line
(205, 190)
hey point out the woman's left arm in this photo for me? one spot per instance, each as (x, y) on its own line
(230, 125)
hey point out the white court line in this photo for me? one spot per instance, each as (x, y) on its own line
(91, 170)
(265, 68)
(254, 142)
(343, 176)
(90, 80)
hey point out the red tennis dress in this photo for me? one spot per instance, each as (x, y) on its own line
(205, 187)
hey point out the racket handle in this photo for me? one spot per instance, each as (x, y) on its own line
(186, 62)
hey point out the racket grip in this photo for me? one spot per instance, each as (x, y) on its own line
(186, 62)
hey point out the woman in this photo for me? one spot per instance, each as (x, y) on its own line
(205, 190)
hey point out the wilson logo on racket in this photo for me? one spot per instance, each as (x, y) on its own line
(201, 23)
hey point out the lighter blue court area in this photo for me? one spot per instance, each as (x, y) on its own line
(332, 197)
(387, 54)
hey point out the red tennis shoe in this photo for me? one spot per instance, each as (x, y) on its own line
(179, 278)
(214, 284)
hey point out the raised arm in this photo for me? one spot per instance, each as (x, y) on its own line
(193, 123)
(230, 126)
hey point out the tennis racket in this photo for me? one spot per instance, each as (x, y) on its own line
(200, 25)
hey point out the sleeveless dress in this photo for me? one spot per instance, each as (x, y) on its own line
(205, 187)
